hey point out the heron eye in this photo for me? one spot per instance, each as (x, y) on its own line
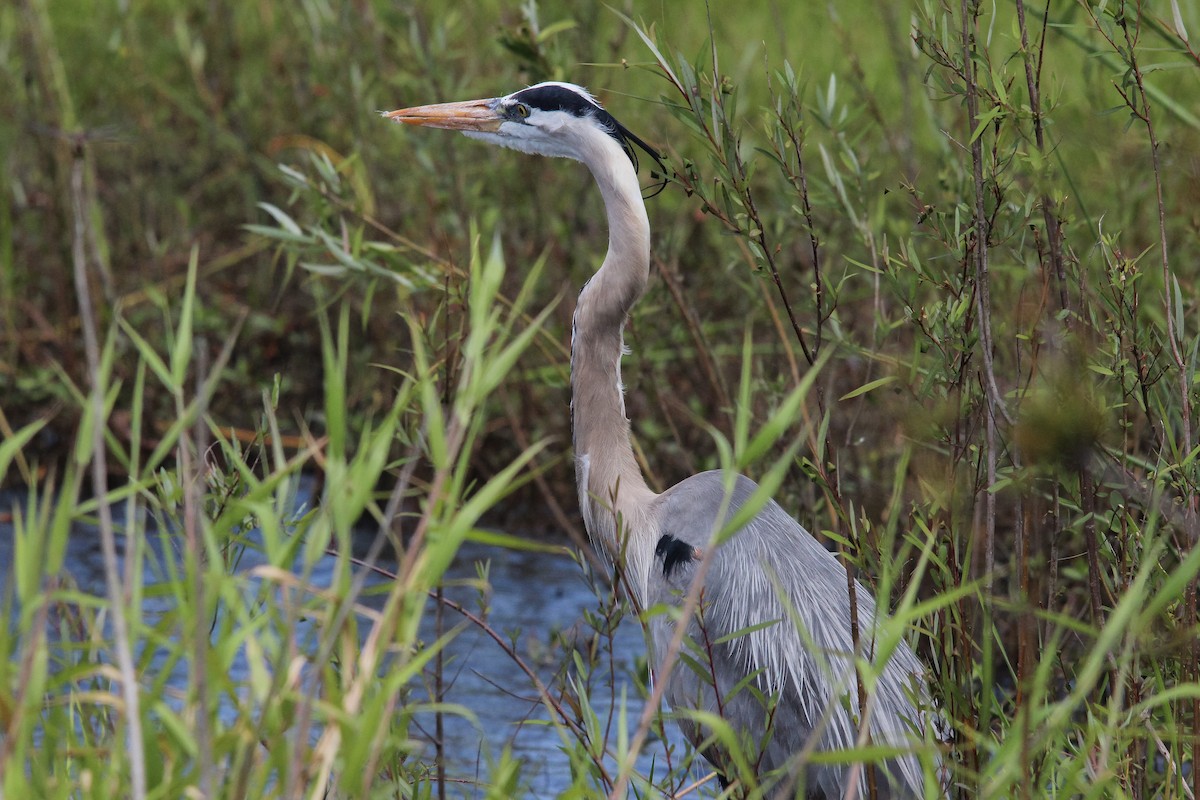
(521, 110)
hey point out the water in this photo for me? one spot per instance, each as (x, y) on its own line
(533, 593)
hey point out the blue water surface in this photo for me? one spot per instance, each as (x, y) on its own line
(532, 596)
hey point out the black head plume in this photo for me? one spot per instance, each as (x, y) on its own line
(628, 140)
(578, 101)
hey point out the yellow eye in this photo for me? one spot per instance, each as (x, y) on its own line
(521, 110)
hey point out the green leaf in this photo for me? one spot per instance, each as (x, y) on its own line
(555, 28)
(729, 637)
(868, 387)
(12, 445)
(510, 542)
(285, 222)
(783, 416)
(181, 352)
(986, 118)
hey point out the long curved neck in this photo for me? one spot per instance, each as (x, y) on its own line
(612, 491)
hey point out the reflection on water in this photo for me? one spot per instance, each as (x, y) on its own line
(532, 596)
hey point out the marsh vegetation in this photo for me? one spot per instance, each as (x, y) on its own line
(221, 272)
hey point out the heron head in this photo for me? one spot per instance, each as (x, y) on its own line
(549, 119)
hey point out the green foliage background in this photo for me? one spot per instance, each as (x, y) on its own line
(1016, 409)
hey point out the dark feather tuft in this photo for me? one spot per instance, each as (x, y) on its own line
(627, 140)
(674, 553)
(557, 97)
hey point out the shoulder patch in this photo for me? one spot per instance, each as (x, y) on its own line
(674, 553)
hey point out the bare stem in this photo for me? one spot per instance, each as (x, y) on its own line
(1033, 79)
(983, 305)
(191, 476)
(1142, 109)
(112, 575)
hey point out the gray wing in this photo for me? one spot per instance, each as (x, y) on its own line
(774, 571)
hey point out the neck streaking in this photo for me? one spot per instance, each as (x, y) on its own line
(613, 494)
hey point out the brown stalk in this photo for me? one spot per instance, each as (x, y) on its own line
(692, 319)
(450, 360)
(737, 172)
(1139, 105)
(1087, 502)
(983, 306)
(1024, 649)
(1033, 79)
(1025, 641)
(798, 177)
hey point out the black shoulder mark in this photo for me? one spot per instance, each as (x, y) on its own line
(674, 553)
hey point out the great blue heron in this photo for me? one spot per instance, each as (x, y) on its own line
(772, 580)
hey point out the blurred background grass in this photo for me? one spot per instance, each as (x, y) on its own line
(180, 114)
(182, 111)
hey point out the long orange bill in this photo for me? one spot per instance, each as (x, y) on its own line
(472, 115)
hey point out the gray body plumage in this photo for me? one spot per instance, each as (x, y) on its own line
(775, 571)
(772, 571)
